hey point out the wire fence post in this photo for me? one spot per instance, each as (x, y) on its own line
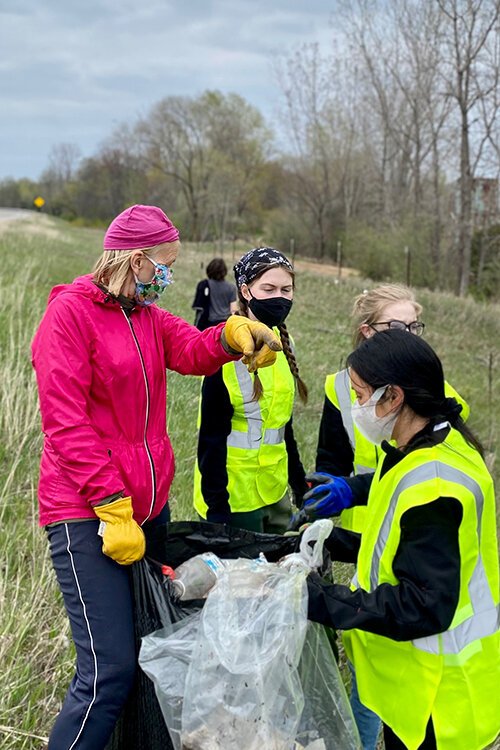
(408, 265)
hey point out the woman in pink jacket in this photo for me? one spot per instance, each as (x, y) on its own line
(101, 354)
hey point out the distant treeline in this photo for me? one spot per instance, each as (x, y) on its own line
(391, 161)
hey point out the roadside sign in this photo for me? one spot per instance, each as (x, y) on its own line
(39, 201)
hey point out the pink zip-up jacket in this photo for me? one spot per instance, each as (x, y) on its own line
(103, 387)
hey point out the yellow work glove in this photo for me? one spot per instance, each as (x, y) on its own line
(122, 537)
(254, 340)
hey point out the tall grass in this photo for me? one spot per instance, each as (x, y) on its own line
(32, 627)
(36, 655)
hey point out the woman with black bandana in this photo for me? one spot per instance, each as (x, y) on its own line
(421, 619)
(247, 455)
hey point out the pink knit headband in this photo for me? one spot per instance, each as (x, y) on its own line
(138, 227)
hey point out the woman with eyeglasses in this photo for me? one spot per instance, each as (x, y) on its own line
(343, 451)
(421, 618)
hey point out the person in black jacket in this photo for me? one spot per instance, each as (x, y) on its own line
(384, 306)
(215, 298)
(421, 616)
(248, 463)
(344, 452)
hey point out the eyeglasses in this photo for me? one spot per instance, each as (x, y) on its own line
(416, 327)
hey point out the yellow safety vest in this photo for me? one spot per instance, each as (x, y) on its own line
(454, 676)
(257, 459)
(366, 454)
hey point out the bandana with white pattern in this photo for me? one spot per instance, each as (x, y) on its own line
(250, 265)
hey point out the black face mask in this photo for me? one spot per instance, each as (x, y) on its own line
(272, 310)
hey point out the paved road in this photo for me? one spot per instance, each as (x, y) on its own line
(14, 214)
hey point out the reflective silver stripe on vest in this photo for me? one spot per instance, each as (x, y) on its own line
(479, 625)
(343, 391)
(251, 439)
(360, 469)
(485, 618)
(274, 435)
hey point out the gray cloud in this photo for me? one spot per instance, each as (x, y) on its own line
(70, 72)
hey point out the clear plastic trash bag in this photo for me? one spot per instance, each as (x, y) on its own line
(166, 656)
(247, 672)
(312, 554)
(327, 716)
(141, 725)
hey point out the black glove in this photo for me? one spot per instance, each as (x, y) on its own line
(297, 520)
(297, 494)
(213, 517)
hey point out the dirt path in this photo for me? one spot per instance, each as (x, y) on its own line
(39, 222)
(325, 268)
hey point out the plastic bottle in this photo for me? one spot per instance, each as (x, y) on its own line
(194, 578)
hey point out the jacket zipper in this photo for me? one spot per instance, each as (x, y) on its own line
(148, 452)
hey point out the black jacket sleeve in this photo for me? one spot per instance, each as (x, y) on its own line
(427, 566)
(200, 298)
(334, 453)
(201, 304)
(360, 485)
(215, 426)
(296, 473)
(343, 545)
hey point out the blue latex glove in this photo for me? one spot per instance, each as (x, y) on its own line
(328, 497)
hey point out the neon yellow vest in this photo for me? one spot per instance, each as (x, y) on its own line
(453, 676)
(338, 390)
(257, 460)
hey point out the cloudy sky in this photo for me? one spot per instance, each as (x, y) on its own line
(71, 70)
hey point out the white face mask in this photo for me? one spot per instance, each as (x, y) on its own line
(374, 428)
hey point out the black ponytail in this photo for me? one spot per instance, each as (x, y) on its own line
(394, 357)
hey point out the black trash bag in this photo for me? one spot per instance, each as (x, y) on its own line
(173, 543)
(141, 725)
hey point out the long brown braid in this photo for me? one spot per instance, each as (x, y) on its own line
(292, 362)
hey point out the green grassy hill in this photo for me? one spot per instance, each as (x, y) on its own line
(35, 651)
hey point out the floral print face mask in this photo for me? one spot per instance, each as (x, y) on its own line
(147, 293)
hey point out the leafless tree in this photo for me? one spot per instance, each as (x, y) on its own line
(471, 73)
(194, 142)
(322, 132)
(63, 161)
(61, 170)
(112, 179)
(431, 77)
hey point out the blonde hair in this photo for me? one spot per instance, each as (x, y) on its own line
(369, 305)
(112, 268)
